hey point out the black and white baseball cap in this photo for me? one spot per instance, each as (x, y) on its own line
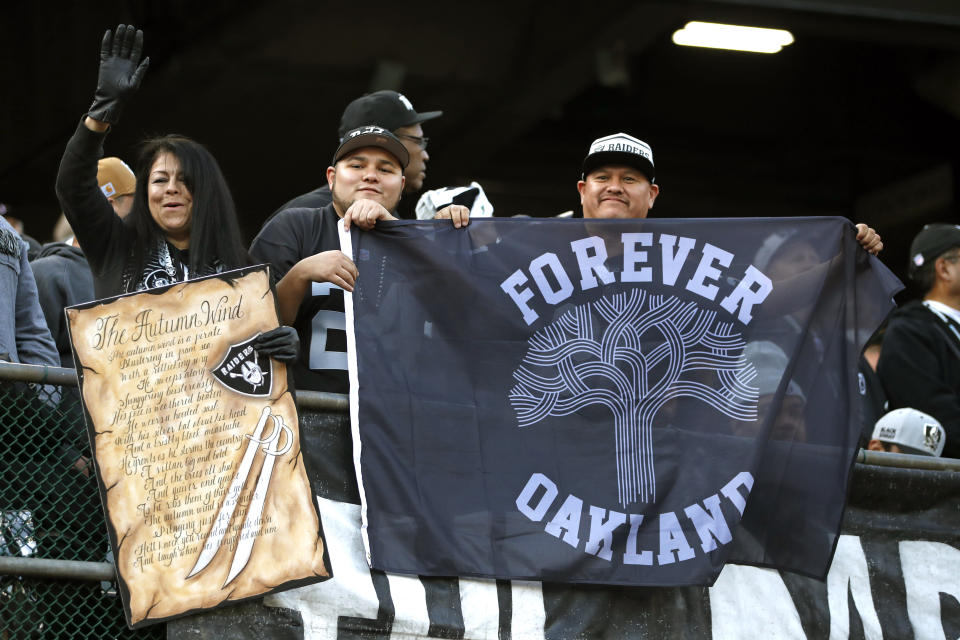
(619, 149)
(387, 109)
(932, 241)
(911, 430)
(371, 136)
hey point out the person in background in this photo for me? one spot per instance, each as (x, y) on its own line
(61, 270)
(16, 223)
(873, 400)
(24, 338)
(771, 363)
(920, 362)
(908, 431)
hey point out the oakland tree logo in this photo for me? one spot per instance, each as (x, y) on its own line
(633, 353)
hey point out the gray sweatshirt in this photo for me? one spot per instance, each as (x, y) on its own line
(24, 336)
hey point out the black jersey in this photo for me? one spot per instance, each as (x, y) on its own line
(287, 238)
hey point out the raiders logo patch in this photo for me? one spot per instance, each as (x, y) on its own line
(931, 436)
(245, 370)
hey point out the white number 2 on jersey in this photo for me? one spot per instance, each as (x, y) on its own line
(322, 322)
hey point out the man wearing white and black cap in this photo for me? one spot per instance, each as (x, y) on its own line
(920, 362)
(908, 431)
(618, 181)
(303, 247)
(617, 178)
(393, 112)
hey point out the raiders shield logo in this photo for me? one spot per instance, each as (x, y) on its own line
(931, 436)
(245, 370)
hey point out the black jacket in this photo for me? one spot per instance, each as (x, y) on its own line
(920, 368)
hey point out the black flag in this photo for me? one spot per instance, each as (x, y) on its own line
(621, 402)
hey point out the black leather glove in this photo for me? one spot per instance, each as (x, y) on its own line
(280, 344)
(120, 72)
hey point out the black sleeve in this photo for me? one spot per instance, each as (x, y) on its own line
(95, 224)
(282, 241)
(911, 369)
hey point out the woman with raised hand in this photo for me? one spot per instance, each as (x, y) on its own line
(183, 223)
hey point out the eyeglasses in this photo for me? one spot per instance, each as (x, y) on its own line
(420, 142)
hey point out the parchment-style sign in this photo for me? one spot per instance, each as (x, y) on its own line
(196, 446)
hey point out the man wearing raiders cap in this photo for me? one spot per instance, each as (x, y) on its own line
(618, 181)
(908, 431)
(394, 112)
(920, 361)
(303, 247)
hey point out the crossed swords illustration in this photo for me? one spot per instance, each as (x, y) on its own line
(222, 522)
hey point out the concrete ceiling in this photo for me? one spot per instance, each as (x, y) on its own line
(859, 117)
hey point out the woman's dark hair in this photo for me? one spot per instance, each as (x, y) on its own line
(214, 230)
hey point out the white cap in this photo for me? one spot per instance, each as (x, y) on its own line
(619, 148)
(471, 197)
(911, 430)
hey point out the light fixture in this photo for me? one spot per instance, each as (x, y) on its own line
(731, 36)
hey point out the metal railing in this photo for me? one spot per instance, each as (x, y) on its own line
(54, 578)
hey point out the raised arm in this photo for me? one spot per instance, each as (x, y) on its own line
(121, 72)
(88, 211)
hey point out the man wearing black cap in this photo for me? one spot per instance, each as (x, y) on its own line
(303, 248)
(393, 112)
(618, 181)
(920, 361)
(302, 245)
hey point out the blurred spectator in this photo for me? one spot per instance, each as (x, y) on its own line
(920, 362)
(24, 336)
(789, 424)
(33, 247)
(63, 279)
(871, 350)
(61, 270)
(873, 401)
(117, 184)
(908, 431)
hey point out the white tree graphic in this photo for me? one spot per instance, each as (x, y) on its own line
(633, 353)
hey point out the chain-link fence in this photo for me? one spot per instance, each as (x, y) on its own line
(50, 509)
